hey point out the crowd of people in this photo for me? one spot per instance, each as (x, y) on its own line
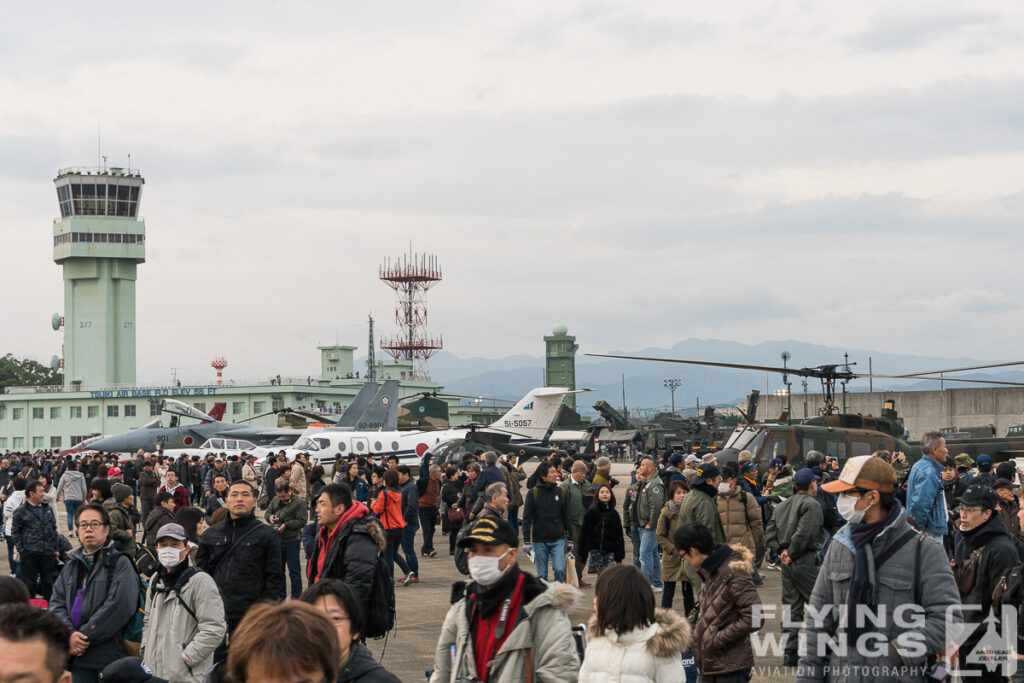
(192, 569)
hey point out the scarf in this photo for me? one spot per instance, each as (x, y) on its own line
(673, 505)
(862, 591)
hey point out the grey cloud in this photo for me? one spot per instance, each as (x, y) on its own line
(902, 30)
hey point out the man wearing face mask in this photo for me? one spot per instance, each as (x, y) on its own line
(795, 533)
(184, 613)
(877, 567)
(506, 625)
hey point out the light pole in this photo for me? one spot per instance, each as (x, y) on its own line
(672, 385)
(785, 380)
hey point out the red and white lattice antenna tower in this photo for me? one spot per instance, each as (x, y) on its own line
(411, 276)
(219, 364)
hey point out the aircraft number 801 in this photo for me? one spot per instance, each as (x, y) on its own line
(518, 423)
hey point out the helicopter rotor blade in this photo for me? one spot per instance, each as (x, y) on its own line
(737, 366)
(256, 417)
(946, 379)
(971, 367)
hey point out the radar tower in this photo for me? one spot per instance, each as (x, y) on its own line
(411, 276)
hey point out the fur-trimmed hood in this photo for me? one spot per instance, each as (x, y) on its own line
(746, 561)
(669, 635)
(375, 531)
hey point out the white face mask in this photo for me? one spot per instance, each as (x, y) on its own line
(169, 557)
(485, 570)
(845, 505)
(724, 487)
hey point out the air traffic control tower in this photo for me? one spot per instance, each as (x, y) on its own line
(99, 241)
(560, 361)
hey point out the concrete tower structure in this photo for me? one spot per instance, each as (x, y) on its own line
(99, 242)
(560, 361)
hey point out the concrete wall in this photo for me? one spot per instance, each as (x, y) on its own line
(921, 410)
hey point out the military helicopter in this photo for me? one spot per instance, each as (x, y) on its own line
(839, 435)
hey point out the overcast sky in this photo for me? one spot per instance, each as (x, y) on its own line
(844, 174)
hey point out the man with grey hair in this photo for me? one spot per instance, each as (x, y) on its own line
(926, 503)
(491, 474)
(495, 502)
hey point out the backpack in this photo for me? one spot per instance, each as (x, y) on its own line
(462, 554)
(146, 563)
(132, 631)
(380, 612)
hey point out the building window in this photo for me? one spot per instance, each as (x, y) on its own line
(3, 442)
(259, 406)
(93, 411)
(54, 442)
(238, 407)
(112, 411)
(54, 413)
(129, 411)
(38, 413)
(75, 440)
(17, 413)
(277, 403)
(18, 442)
(154, 409)
(37, 442)
(201, 407)
(3, 412)
(76, 412)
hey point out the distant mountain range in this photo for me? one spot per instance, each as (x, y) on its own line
(513, 376)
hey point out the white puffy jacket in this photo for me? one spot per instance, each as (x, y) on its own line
(644, 655)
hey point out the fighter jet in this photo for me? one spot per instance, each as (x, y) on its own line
(154, 435)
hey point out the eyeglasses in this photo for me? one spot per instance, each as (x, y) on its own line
(972, 510)
(90, 525)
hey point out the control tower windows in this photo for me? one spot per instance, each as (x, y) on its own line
(98, 199)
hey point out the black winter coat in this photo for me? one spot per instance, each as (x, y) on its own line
(352, 556)
(32, 534)
(450, 493)
(247, 573)
(545, 517)
(998, 556)
(361, 667)
(602, 532)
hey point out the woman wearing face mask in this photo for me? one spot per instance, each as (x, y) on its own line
(741, 516)
(507, 625)
(184, 613)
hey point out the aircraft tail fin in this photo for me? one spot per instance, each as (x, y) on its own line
(382, 413)
(359, 405)
(533, 415)
(218, 412)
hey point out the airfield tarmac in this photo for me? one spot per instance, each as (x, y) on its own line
(409, 650)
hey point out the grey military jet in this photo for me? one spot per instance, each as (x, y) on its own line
(372, 405)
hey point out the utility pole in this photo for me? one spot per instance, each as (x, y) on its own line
(805, 397)
(871, 384)
(785, 380)
(625, 412)
(673, 384)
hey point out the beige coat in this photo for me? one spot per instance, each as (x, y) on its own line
(742, 522)
(545, 630)
(671, 563)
